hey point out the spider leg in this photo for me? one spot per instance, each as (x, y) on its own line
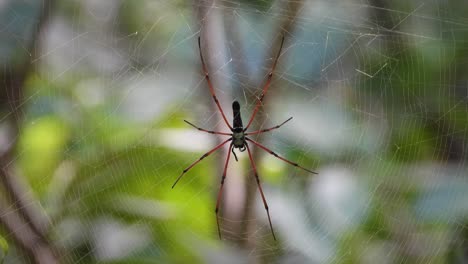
(221, 188)
(242, 149)
(200, 159)
(208, 131)
(235, 156)
(260, 189)
(267, 85)
(279, 157)
(210, 85)
(267, 129)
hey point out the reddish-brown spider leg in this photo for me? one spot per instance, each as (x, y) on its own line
(200, 159)
(221, 189)
(210, 85)
(267, 129)
(279, 157)
(267, 85)
(208, 131)
(260, 189)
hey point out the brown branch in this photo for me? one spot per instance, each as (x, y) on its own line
(24, 223)
(209, 42)
(14, 79)
(25, 237)
(18, 193)
(247, 227)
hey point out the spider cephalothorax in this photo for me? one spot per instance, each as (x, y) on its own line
(239, 137)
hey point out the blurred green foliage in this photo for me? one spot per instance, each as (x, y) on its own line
(3, 248)
(387, 95)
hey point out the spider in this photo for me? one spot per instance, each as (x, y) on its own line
(238, 137)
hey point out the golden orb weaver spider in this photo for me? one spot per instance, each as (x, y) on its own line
(238, 137)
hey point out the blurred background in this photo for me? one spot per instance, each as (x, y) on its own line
(93, 95)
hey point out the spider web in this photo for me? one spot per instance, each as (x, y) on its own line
(378, 98)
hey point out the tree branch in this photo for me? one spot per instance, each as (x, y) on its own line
(25, 237)
(210, 39)
(284, 27)
(24, 221)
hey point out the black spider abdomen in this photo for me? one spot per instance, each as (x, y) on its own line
(237, 122)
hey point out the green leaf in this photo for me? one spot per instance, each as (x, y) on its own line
(3, 248)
